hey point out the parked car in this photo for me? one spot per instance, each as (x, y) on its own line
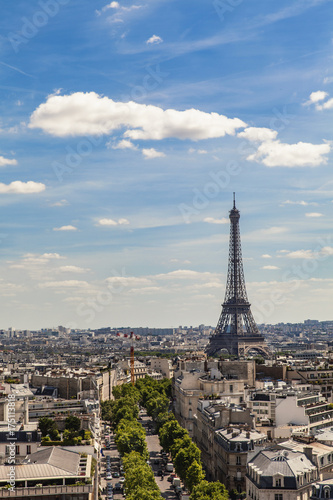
(169, 467)
(108, 475)
(118, 487)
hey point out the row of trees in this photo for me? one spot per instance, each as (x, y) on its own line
(130, 438)
(186, 457)
(155, 397)
(123, 412)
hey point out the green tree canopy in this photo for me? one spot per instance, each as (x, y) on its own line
(142, 494)
(130, 436)
(169, 432)
(184, 458)
(72, 423)
(209, 491)
(46, 425)
(194, 475)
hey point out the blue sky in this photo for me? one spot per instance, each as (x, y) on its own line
(125, 127)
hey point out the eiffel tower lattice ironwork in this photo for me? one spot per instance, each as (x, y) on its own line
(236, 330)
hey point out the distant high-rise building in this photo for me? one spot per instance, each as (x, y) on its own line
(236, 330)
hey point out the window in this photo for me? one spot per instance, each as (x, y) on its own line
(231, 388)
(238, 460)
(28, 449)
(277, 483)
(278, 496)
(17, 450)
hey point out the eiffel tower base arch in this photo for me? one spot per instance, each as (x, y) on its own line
(237, 346)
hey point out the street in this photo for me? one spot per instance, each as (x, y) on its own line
(154, 448)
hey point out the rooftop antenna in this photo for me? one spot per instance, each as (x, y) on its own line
(234, 202)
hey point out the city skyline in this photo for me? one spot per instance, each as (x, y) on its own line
(125, 129)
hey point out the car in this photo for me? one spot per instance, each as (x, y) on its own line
(116, 474)
(160, 472)
(108, 475)
(122, 480)
(118, 487)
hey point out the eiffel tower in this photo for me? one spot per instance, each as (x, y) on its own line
(236, 329)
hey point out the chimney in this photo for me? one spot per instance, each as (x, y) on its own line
(307, 450)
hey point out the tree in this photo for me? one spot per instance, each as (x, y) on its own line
(184, 458)
(181, 443)
(45, 425)
(209, 491)
(194, 475)
(130, 436)
(169, 432)
(54, 434)
(72, 423)
(142, 494)
(156, 405)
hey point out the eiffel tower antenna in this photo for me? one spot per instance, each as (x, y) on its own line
(236, 329)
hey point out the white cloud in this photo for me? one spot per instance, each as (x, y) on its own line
(81, 114)
(112, 222)
(266, 256)
(301, 254)
(73, 269)
(313, 214)
(117, 6)
(20, 187)
(184, 274)
(7, 161)
(198, 151)
(211, 220)
(124, 144)
(65, 228)
(61, 203)
(175, 261)
(327, 105)
(155, 40)
(302, 203)
(274, 230)
(327, 251)
(152, 153)
(273, 153)
(129, 281)
(277, 154)
(51, 256)
(315, 97)
(258, 134)
(270, 268)
(112, 5)
(64, 284)
(107, 222)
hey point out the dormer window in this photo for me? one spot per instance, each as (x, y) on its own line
(278, 481)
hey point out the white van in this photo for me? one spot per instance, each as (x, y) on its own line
(169, 467)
